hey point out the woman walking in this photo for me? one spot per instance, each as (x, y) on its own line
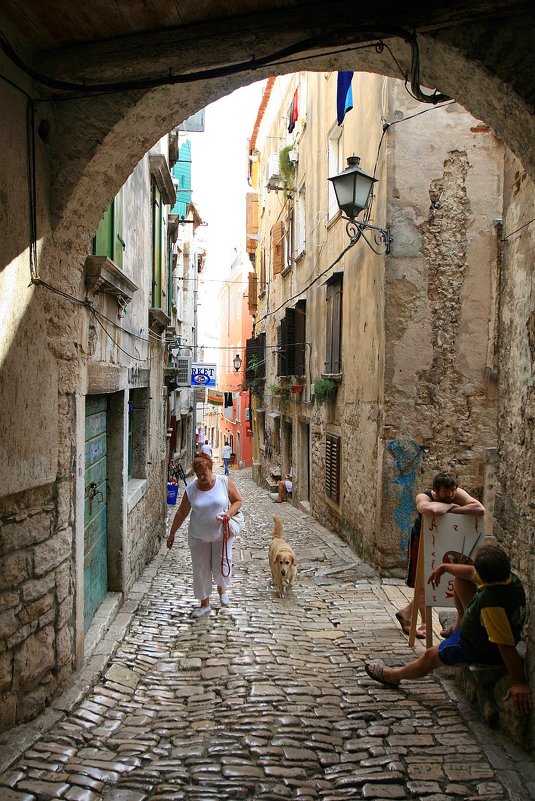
(208, 499)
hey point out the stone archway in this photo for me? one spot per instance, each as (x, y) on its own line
(95, 143)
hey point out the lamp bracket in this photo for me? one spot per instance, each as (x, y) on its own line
(381, 237)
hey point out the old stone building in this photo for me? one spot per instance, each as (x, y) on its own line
(109, 517)
(85, 96)
(401, 338)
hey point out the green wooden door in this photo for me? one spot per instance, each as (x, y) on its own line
(95, 523)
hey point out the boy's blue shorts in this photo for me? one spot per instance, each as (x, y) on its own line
(451, 652)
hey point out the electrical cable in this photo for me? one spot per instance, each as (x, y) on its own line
(231, 69)
(130, 355)
(505, 238)
(304, 289)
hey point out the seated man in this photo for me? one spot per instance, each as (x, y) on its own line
(284, 488)
(490, 627)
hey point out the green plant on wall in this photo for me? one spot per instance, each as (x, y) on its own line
(324, 390)
(280, 391)
(287, 167)
(254, 383)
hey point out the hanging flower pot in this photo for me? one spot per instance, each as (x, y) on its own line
(297, 389)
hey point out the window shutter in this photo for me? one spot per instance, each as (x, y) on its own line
(256, 347)
(277, 247)
(261, 352)
(251, 218)
(332, 467)
(281, 349)
(333, 343)
(252, 299)
(300, 337)
(103, 241)
(337, 328)
(329, 331)
(118, 240)
(263, 271)
(156, 247)
(289, 330)
(290, 239)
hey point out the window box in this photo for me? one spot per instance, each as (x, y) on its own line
(103, 275)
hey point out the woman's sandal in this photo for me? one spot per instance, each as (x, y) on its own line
(376, 671)
(406, 627)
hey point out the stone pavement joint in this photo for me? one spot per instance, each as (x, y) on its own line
(266, 699)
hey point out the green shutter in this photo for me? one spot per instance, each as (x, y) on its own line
(109, 240)
(156, 247)
(102, 243)
(118, 241)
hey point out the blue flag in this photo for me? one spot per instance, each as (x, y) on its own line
(344, 95)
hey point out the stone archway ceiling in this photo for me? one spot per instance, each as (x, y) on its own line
(97, 42)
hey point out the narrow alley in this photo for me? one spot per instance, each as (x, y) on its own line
(267, 699)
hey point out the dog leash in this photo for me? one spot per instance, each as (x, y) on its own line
(225, 561)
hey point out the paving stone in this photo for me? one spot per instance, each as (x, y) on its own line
(266, 700)
(383, 791)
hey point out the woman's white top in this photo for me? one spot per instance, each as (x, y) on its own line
(205, 506)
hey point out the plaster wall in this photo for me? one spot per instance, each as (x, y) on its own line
(28, 432)
(445, 190)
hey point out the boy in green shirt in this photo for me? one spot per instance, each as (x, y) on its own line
(490, 628)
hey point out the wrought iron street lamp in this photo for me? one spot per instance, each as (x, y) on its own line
(237, 362)
(353, 190)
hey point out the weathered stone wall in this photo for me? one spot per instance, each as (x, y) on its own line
(36, 603)
(46, 341)
(146, 522)
(515, 517)
(440, 380)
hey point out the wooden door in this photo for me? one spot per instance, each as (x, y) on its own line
(95, 520)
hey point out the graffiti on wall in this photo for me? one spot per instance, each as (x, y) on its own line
(406, 456)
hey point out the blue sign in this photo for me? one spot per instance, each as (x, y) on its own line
(203, 375)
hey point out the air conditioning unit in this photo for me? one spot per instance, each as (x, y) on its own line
(183, 372)
(273, 179)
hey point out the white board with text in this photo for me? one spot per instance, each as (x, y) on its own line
(448, 538)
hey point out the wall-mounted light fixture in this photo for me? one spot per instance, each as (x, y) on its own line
(353, 189)
(237, 362)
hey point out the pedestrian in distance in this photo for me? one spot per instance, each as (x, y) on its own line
(225, 456)
(284, 488)
(490, 628)
(445, 496)
(206, 500)
(206, 448)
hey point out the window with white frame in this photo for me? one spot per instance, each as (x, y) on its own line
(335, 165)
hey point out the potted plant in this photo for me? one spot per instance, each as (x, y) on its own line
(253, 381)
(280, 391)
(297, 388)
(324, 390)
(287, 167)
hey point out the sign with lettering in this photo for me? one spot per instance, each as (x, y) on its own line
(203, 375)
(448, 538)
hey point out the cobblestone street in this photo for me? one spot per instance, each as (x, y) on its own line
(266, 699)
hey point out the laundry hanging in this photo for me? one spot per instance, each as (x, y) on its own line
(344, 95)
(293, 111)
